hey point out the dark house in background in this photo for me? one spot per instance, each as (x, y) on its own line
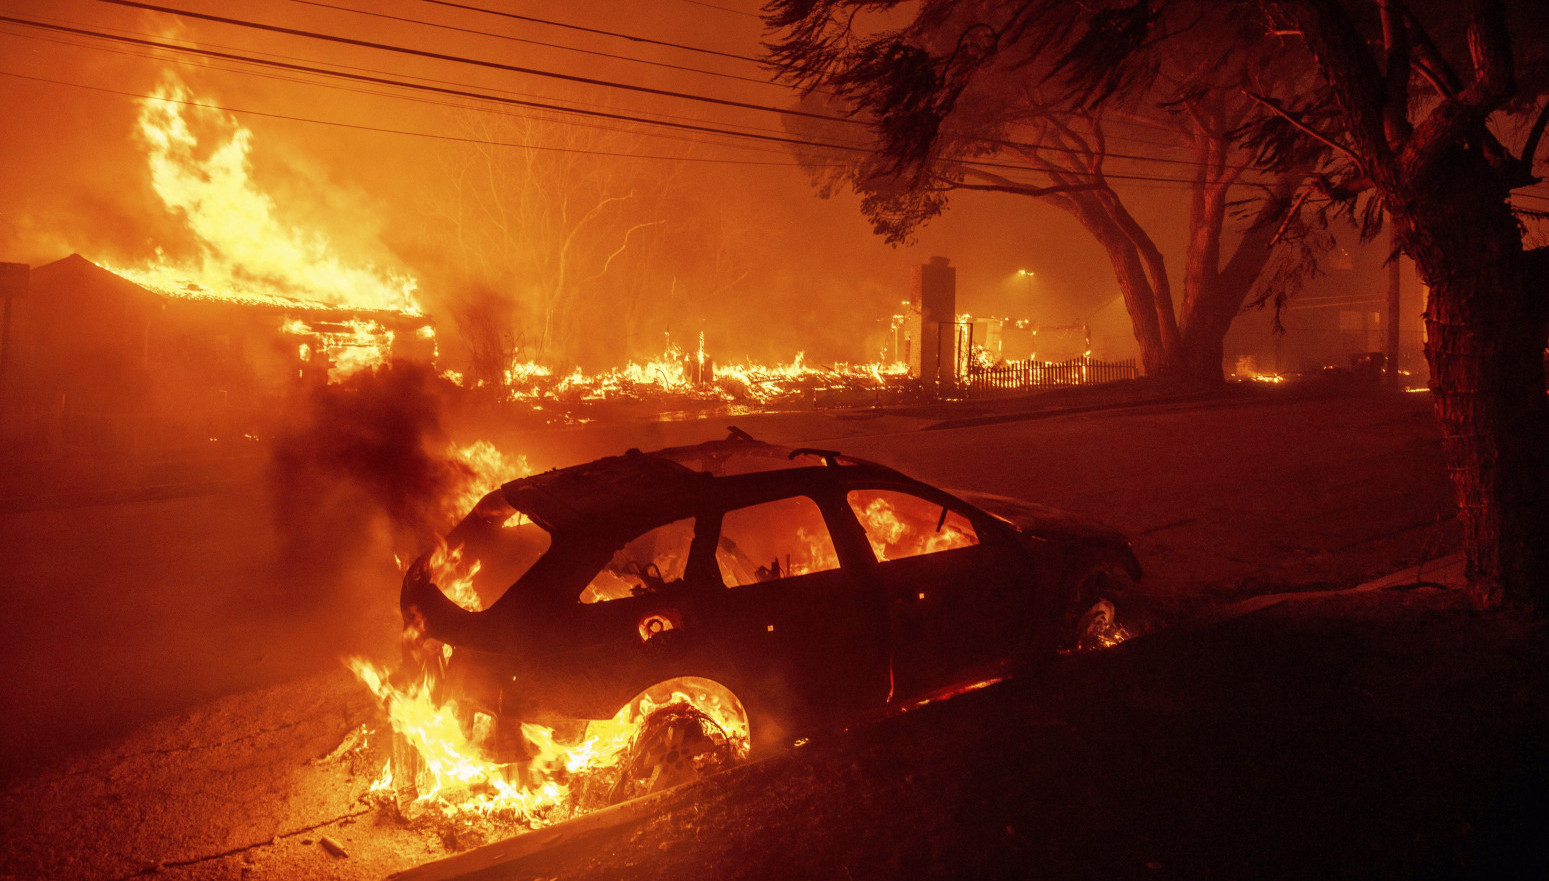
(99, 361)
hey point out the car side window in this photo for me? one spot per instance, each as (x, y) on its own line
(645, 565)
(900, 524)
(773, 540)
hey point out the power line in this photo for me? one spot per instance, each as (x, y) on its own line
(627, 86)
(426, 87)
(87, 44)
(547, 106)
(301, 80)
(459, 59)
(721, 8)
(633, 38)
(560, 46)
(392, 131)
(748, 58)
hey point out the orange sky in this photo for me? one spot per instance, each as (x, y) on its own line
(790, 271)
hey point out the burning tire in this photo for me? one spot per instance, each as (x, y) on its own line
(1090, 618)
(676, 744)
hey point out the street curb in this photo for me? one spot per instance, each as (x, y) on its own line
(1000, 418)
(1444, 572)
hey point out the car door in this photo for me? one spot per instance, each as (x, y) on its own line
(805, 630)
(957, 598)
(632, 625)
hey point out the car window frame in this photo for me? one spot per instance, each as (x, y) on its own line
(987, 530)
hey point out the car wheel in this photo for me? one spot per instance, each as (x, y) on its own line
(675, 744)
(1090, 620)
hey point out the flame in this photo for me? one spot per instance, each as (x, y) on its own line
(693, 375)
(244, 243)
(458, 780)
(248, 254)
(894, 536)
(450, 572)
(487, 468)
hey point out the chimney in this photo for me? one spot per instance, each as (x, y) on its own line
(932, 313)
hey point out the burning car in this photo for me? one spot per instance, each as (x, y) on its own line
(734, 595)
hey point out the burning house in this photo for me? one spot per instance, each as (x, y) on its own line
(127, 360)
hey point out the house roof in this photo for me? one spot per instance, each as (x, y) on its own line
(77, 270)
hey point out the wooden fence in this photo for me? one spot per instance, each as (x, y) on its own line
(1045, 374)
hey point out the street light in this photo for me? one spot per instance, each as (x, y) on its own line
(1028, 275)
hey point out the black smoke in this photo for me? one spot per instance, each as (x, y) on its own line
(360, 457)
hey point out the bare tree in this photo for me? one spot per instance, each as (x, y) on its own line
(543, 216)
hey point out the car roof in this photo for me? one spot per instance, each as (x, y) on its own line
(638, 490)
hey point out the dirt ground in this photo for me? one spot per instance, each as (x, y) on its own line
(1388, 734)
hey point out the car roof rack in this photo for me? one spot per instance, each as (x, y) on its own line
(829, 457)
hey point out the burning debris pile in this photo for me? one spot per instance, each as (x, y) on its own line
(692, 377)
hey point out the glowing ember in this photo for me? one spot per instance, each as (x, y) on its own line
(695, 376)
(1099, 628)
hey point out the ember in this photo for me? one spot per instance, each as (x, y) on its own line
(691, 377)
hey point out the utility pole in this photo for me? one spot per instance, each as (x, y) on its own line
(14, 278)
(1394, 256)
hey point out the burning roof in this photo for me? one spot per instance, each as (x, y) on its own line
(99, 335)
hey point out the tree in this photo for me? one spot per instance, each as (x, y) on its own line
(1413, 96)
(1408, 115)
(542, 215)
(966, 96)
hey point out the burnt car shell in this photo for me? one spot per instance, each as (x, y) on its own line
(797, 649)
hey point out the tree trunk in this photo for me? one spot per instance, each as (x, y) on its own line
(1213, 294)
(1486, 326)
(1130, 271)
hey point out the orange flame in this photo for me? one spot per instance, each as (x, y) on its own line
(457, 780)
(247, 253)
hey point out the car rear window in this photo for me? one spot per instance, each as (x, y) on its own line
(900, 524)
(773, 540)
(650, 561)
(500, 545)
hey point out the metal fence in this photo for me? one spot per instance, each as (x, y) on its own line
(1045, 374)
